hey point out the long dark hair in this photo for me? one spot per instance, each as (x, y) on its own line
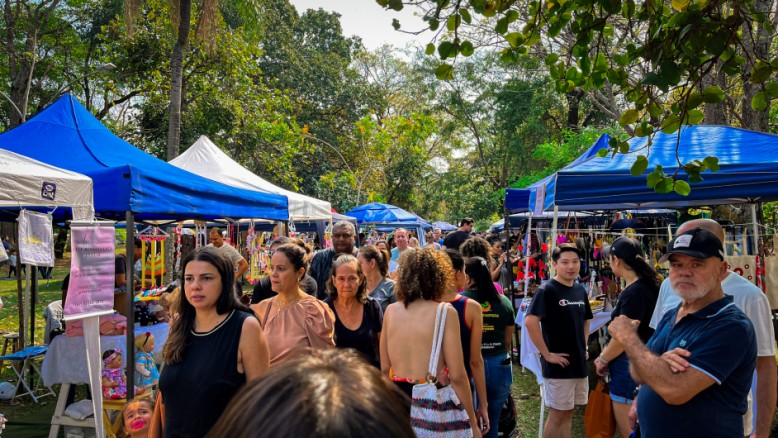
(176, 343)
(381, 257)
(643, 270)
(478, 270)
(325, 393)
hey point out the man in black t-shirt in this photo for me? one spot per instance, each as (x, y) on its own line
(455, 239)
(563, 307)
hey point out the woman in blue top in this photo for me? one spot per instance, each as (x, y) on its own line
(498, 320)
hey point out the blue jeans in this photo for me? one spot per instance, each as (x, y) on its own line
(499, 376)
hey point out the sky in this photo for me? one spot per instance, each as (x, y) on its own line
(366, 19)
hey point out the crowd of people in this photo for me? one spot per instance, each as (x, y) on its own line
(335, 343)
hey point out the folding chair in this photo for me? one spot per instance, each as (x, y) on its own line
(25, 368)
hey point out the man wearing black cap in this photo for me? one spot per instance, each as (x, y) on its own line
(753, 302)
(457, 238)
(709, 398)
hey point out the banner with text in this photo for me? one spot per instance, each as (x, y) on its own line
(92, 271)
(36, 239)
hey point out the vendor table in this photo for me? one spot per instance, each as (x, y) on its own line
(65, 363)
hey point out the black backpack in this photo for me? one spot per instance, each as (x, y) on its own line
(507, 426)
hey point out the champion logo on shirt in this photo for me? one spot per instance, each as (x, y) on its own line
(564, 303)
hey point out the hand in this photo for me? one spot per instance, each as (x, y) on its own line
(558, 359)
(602, 368)
(633, 414)
(622, 327)
(482, 415)
(675, 359)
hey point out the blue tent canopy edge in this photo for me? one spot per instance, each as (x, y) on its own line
(66, 135)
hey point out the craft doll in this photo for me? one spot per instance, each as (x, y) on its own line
(114, 381)
(146, 371)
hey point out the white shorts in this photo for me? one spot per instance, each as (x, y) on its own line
(564, 394)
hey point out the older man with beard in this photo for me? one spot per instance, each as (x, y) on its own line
(753, 302)
(709, 398)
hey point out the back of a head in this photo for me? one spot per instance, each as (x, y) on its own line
(476, 246)
(477, 268)
(706, 224)
(423, 274)
(329, 393)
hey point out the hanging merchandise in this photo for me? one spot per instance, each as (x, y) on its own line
(201, 234)
(36, 239)
(328, 236)
(153, 259)
(177, 251)
(258, 257)
(743, 265)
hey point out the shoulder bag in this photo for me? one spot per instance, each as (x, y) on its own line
(438, 412)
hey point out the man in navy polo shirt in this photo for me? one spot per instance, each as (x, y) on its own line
(709, 398)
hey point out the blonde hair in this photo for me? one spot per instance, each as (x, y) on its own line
(142, 340)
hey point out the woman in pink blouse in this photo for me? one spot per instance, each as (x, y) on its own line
(293, 321)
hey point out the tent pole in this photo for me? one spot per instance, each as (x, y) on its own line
(755, 228)
(511, 289)
(129, 354)
(554, 224)
(33, 300)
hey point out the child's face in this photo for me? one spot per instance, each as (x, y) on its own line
(149, 347)
(117, 361)
(137, 417)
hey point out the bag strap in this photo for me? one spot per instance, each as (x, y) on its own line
(267, 312)
(437, 340)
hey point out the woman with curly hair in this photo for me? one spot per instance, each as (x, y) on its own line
(423, 277)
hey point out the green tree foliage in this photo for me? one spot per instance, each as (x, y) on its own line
(308, 59)
(666, 58)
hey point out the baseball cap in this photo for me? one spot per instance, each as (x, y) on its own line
(624, 248)
(697, 243)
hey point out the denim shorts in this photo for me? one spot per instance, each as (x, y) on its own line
(622, 387)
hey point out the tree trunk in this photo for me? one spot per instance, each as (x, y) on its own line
(177, 78)
(714, 112)
(756, 43)
(573, 104)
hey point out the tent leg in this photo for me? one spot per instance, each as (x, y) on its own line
(554, 225)
(542, 412)
(755, 228)
(130, 270)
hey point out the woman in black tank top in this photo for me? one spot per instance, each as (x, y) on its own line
(214, 347)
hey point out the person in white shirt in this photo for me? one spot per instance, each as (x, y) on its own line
(753, 302)
(228, 252)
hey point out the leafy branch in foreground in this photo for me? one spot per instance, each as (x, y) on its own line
(671, 62)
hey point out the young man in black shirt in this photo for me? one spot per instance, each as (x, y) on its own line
(454, 240)
(563, 307)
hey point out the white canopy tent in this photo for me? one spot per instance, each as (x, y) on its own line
(206, 159)
(25, 182)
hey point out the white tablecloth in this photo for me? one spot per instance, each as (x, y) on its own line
(65, 361)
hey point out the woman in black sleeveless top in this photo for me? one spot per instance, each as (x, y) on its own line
(214, 347)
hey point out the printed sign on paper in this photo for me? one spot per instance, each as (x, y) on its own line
(92, 271)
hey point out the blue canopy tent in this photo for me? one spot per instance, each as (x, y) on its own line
(748, 172)
(387, 217)
(444, 226)
(523, 200)
(130, 184)
(375, 213)
(127, 179)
